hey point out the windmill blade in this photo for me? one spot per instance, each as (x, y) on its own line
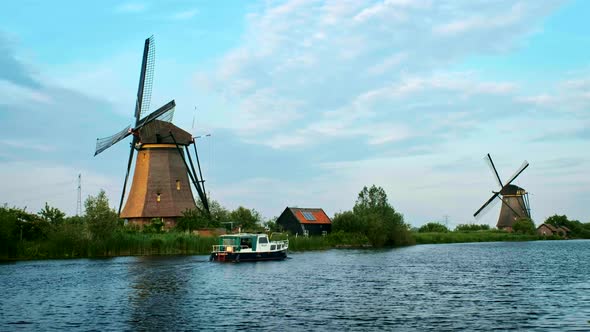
(486, 206)
(491, 165)
(127, 174)
(105, 143)
(164, 113)
(146, 79)
(522, 167)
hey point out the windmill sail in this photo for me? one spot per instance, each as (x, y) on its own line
(491, 165)
(105, 143)
(524, 165)
(146, 79)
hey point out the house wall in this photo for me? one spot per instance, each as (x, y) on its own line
(544, 231)
(289, 223)
(317, 229)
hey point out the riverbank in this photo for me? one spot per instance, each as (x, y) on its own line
(476, 236)
(120, 244)
(177, 243)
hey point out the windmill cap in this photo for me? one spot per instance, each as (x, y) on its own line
(512, 189)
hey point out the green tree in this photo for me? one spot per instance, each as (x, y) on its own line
(102, 220)
(433, 227)
(348, 222)
(577, 229)
(218, 214)
(9, 232)
(524, 226)
(52, 215)
(383, 225)
(247, 218)
(192, 219)
(472, 227)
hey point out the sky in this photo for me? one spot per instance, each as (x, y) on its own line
(307, 101)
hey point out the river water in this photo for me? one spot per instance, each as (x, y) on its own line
(541, 285)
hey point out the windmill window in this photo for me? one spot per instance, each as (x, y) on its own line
(158, 197)
(308, 215)
(177, 184)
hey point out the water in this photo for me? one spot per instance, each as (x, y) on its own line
(480, 286)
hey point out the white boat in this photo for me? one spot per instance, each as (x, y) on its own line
(243, 247)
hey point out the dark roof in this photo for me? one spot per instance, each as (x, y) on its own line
(566, 229)
(319, 215)
(551, 227)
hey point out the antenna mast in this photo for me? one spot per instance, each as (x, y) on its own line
(79, 204)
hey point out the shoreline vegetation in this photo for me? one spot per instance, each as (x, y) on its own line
(372, 223)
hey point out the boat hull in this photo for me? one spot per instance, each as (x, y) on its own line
(248, 256)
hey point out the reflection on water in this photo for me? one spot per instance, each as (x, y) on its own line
(158, 288)
(480, 286)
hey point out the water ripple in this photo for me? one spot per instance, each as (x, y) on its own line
(535, 286)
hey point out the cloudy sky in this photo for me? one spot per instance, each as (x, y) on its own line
(307, 101)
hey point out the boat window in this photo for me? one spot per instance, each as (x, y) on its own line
(263, 240)
(273, 247)
(246, 242)
(228, 241)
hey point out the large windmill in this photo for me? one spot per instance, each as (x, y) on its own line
(160, 187)
(515, 200)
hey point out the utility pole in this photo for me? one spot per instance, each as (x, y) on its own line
(446, 219)
(79, 203)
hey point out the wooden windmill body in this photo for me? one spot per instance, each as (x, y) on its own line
(515, 202)
(163, 166)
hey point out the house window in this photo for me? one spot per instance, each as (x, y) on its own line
(157, 197)
(308, 215)
(177, 184)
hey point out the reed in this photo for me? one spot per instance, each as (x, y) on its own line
(478, 236)
(120, 244)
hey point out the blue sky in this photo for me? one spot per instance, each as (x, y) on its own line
(307, 101)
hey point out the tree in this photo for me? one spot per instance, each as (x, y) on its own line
(348, 222)
(577, 229)
(433, 227)
(524, 226)
(218, 215)
(192, 219)
(52, 215)
(102, 220)
(382, 224)
(246, 218)
(471, 227)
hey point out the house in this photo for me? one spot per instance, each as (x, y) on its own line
(549, 230)
(305, 221)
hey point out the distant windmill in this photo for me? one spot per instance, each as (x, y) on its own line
(160, 187)
(515, 200)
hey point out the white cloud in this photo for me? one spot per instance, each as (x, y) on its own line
(27, 144)
(302, 61)
(13, 94)
(184, 15)
(131, 7)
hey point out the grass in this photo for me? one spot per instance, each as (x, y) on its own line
(120, 244)
(478, 236)
(74, 245)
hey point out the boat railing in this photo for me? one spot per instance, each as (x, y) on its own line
(281, 243)
(225, 248)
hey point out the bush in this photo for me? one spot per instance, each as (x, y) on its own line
(373, 217)
(433, 227)
(472, 227)
(524, 226)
